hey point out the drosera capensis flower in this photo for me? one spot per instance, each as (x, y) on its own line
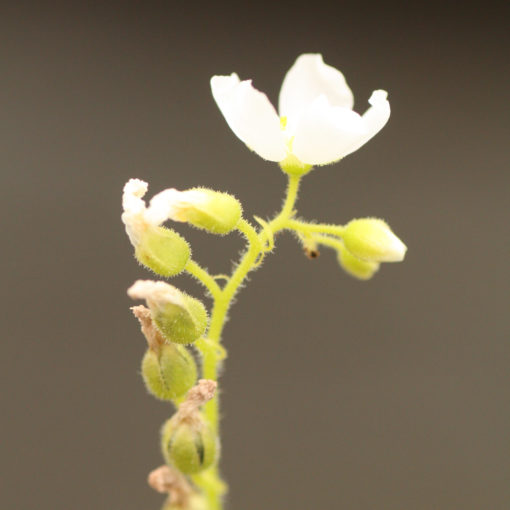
(372, 239)
(316, 124)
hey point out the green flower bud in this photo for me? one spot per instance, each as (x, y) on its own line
(190, 447)
(163, 250)
(169, 373)
(371, 239)
(180, 318)
(160, 249)
(361, 269)
(183, 322)
(216, 212)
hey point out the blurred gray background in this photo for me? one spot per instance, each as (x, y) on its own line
(387, 395)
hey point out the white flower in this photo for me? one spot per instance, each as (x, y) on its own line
(168, 204)
(316, 124)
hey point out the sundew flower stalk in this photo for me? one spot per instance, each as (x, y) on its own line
(315, 126)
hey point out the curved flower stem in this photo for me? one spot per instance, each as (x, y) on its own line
(219, 313)
(331, 242)
(312, 228)
(194, 269)
(210, 481)
(281, 220)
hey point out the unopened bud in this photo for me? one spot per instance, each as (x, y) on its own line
(168, 369)
(361, 269)
(190, 447)
(163, 250)
(371, 239)
(216, 212)
(179, 317)
(187, 440)
(169, 373)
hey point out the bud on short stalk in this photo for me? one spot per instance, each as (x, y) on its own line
(371, 239)
(187, 441)
(213, 211)
(180, 318)
(163, 251)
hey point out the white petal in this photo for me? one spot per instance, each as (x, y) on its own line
(306, 80)
(161, 205)
(134, 209)
(132, 195)
(155, 293)
(250, 115)
(374, 119)
(324, 133)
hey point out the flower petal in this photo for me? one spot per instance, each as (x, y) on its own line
(133, 205)
(250, 115)
(374, 119)
(306, 80)
(161, 206)
(324, 133)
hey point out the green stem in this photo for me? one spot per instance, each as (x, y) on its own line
(311, 228)
(194, 269)
(278, 223)
(210, 481)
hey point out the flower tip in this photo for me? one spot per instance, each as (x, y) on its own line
(140, 289)
(154, 291)
(224, 81)
(315, 58)
(378, 97)
(136, 187)
(398, 249)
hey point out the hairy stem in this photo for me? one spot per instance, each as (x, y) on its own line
(210, 482)
(312, 228)
(194, 269)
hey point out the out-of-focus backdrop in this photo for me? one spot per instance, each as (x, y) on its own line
(388, 395)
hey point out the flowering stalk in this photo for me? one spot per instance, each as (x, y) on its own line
(314, 97)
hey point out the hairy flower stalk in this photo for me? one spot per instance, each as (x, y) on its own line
(316, 126)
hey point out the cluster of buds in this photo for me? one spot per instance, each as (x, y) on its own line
(171, 321)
